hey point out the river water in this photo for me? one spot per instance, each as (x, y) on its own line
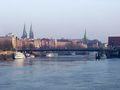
(60, 73)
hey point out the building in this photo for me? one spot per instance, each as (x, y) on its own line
(37, 43)
(63, 43)
(25, 44)
(19, 43)
(78, 43)
(93, 43)
(52, 43)
(8, 42)
(114, 41)
(44, 43)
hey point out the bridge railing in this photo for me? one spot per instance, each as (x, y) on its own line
(62, 49)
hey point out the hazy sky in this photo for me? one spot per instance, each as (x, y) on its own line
(61, 18)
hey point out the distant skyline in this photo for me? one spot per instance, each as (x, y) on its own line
(61, 18)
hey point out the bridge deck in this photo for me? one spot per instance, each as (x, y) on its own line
(54, 49)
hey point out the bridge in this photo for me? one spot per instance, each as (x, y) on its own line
(67, 49)
(109, 52)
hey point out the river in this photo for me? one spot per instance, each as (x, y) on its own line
(60, 73)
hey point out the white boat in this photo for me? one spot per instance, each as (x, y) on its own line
(51, 54)
(19, 55)
(30, 55)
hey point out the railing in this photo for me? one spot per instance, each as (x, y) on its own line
(64, 49)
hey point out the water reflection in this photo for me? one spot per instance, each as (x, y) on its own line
(19, 62)
(23, 62)
(31, 61)
(61, 73)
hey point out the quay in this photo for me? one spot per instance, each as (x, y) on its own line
(7, 55)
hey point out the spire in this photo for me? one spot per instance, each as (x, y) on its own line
(24, 35)
(31, 34)
(85, 36)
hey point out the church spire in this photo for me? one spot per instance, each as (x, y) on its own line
(24, 35)
(85, 36)
(31, 34)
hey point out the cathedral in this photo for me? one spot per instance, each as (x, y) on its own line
(31, 34)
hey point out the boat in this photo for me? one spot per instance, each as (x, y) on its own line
(29, 55)
(32, 56)
(51, 54)
(19, 55)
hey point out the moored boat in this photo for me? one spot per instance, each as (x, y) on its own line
(29, 55)
(19, 55)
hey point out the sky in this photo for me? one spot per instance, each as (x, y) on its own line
(61, 18)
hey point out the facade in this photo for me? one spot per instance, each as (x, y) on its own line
(114, 41)
(93, 44)
(83, 45)
(37, 43)
(19, 43)
(63, 43)
(8, 42)
(12, 42)
(59, 43)
(51, 43)
(44, 43)
(26, 43)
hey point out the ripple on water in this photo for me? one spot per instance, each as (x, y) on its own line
(61, 73)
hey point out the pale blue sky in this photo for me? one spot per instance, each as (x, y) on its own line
(61, 18)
